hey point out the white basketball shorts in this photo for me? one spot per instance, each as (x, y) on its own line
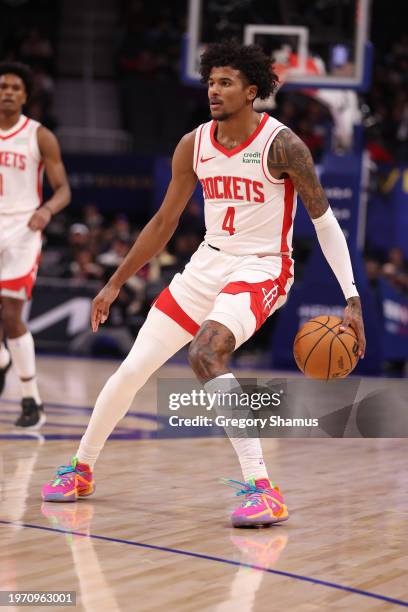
(240, 292)
(20, 250)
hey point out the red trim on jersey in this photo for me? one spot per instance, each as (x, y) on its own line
(40, 182)
(243, 145)
(167, 304)
(198, 149)
(287, 215)
(17, 131)
(23, 282)
(264, 294)
(278, 181)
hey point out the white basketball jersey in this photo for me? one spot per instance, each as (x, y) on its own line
(247, 211)
(21, 168)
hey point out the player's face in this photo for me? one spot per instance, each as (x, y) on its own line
(228, 92)
(12, 93)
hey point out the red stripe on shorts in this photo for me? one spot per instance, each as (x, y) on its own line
(264, 294)
(167, 304)
(22, 282)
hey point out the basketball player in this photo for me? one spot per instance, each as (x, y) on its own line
(26, 149)
(250, 167)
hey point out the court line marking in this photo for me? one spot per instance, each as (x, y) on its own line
(188, 553)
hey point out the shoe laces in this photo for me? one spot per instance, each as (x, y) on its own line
(64, 473)
(253, 493)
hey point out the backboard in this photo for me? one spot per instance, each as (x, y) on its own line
(317, 44)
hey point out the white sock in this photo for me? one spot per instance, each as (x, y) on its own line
(159, 339)
(249, 450)
(23, 356)
(4, 355)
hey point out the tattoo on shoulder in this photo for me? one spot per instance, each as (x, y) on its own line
(288, 150)
(277, 154)
(288, 154)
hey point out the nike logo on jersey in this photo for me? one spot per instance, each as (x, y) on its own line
(206, 159)
(269, 297)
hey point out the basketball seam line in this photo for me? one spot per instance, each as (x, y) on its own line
(348, 354)
(330, 354)
(310, 332)
(326, 326)
(321, 338)
(313, 348)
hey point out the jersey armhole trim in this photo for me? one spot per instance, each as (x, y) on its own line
(33, 145)
(198, 147)
(268, 143)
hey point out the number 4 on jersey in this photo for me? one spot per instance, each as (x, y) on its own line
(228, 223)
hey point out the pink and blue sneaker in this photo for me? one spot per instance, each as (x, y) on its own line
(71, 482)
(263, 503)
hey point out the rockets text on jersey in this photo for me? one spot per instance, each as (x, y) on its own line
(21, 168)
(247, 210)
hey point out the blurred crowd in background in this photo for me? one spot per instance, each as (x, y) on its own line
(91, 248)
(29, 36)
(148, 48)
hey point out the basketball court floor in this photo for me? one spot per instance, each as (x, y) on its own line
(156, 534)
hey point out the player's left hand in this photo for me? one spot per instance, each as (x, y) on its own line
(40, 219)
(353, 317)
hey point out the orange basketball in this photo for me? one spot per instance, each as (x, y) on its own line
(322, 352)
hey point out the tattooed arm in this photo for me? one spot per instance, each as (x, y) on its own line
(289, 157)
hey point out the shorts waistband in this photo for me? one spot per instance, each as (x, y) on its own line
(214, 248)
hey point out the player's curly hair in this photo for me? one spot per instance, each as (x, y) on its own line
(254, 64)
(21, 70)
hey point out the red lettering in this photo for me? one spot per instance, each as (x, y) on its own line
(258, 189)
(223, 187)
(227, 187)
(217, 179)
(203, 185)
(247, 189)
(12, 160)
(236, 187)
(228, 223)
(210, 187)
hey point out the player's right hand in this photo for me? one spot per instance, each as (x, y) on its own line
(101, 305)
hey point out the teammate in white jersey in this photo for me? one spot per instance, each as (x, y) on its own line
(250, 167)
(26, 150)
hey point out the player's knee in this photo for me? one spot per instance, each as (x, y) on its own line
(206, 361)
(127, 371)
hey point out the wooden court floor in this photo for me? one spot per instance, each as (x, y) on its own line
(156, 534)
